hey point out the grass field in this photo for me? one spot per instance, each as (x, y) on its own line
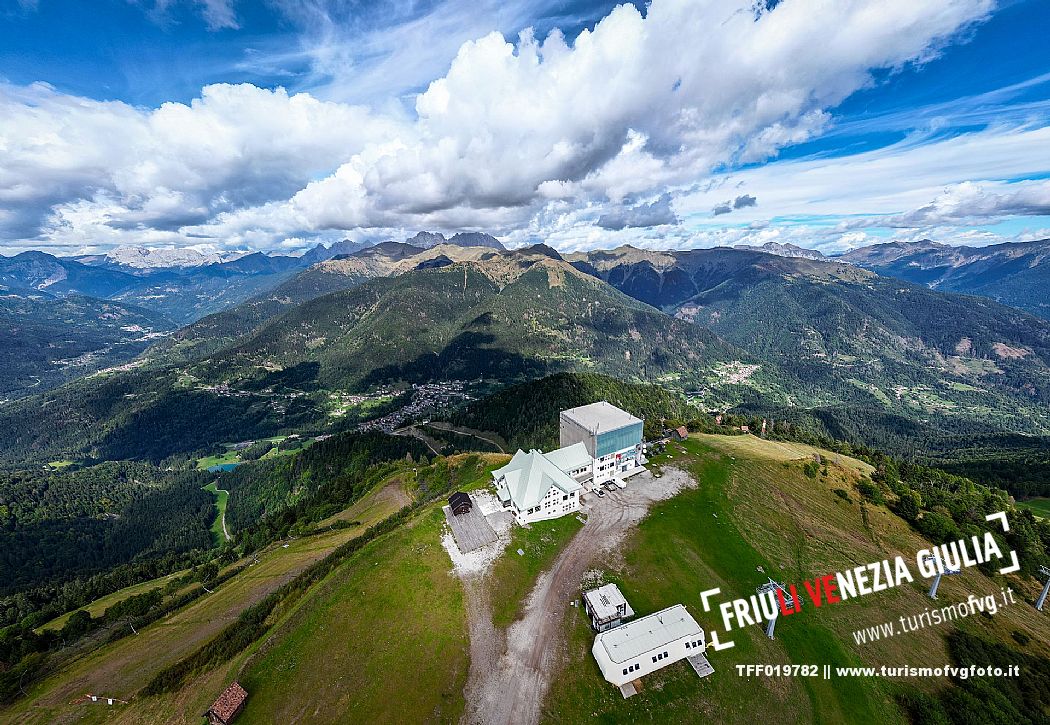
(122, 668)
(383, 640)
(755, 508)
(1040, 507)
(514, 575)
(98, 607)
(222, 496)
(230, 456)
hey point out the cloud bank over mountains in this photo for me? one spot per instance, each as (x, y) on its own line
(646, 126)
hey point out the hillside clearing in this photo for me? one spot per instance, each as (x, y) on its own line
(218, 529)
(382, 640)
(1038, 506)
(122, 668)
(98, 607)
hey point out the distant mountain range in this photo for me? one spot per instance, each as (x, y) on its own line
(729, 326)
(158, 258)
(426, 240)
(1015, 273)
(182, 294)
(185, 284)
(784, 250)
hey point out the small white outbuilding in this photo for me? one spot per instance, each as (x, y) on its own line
(607, 607)
(645, 645)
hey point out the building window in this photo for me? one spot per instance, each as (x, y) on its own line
(654, 659)
(665, 654)
(687, 645)
(565, 497)
(625, 672)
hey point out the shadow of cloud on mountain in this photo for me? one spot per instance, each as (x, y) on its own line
(469, 355)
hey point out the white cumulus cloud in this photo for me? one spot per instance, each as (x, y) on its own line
(514, 132)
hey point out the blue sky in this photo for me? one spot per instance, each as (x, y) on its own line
(230, 125)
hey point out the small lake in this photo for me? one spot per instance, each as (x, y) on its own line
(222, 467)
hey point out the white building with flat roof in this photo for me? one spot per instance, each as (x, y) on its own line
(612, 438)
(607, 607)
(535, 488)
(648, 644)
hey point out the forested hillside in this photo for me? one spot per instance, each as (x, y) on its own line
(60, 524)
(842, 336)
(526, 415)
(505, 320)
(323, 478)
(46, 341)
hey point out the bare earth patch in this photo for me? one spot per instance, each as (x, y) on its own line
(510, 672)
(1005, 352)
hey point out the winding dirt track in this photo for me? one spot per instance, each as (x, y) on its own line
(510, 672)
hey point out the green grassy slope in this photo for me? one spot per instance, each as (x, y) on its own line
(755, 508)
(125, 666)
(383, 640)
(221, 497)
(1039, 506)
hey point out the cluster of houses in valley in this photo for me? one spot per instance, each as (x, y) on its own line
(427, 399)
(601, 447)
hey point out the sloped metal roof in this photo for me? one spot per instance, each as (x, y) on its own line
(571, 457)
(529, 476)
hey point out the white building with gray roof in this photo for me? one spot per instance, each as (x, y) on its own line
(647, 644)
(535, 488)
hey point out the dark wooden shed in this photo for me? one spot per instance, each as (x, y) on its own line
(460, 503)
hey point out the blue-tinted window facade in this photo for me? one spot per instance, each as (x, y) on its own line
(617, 440)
